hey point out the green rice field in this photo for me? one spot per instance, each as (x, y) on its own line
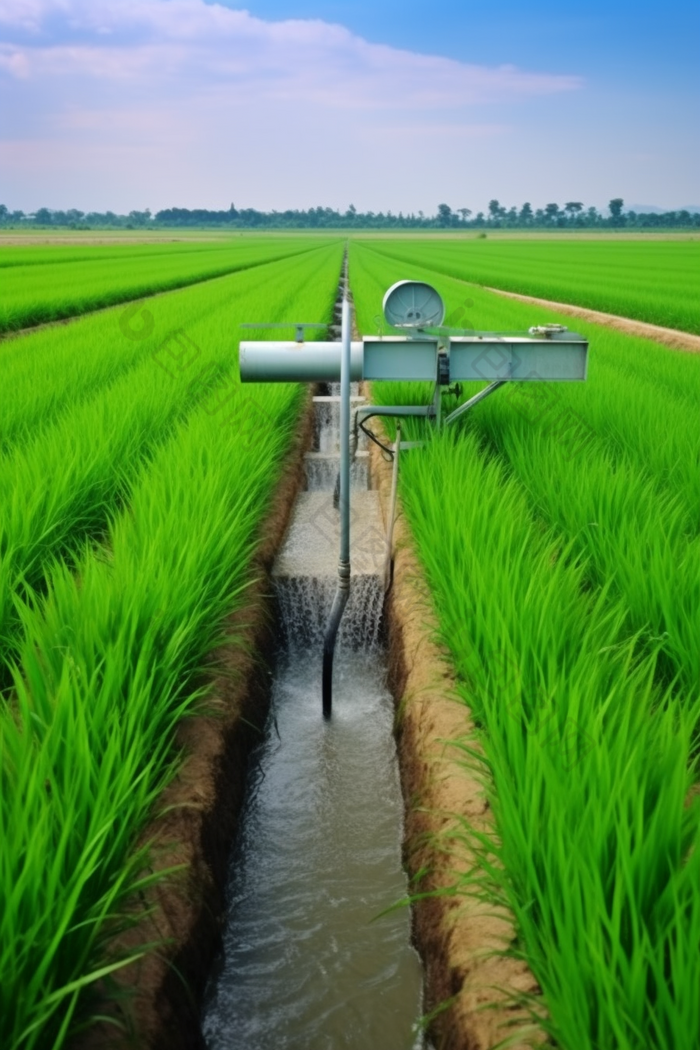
(558, 529)
(44, 284)
(130, 506)
(649, 280)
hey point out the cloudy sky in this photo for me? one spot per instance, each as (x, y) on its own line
(127, 104)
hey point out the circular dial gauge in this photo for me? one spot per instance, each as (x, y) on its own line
(413, 304)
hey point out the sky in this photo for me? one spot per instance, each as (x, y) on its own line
(129, 104)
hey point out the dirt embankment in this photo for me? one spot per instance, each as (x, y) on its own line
(156, 1000)
(672, 337)
(471, 988)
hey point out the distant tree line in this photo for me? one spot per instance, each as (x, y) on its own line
(572, 215)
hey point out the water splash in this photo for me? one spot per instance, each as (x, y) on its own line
(304, 604)
(322, 472)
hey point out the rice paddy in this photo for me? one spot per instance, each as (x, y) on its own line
(48, 284)
(558, 531)
(121, 559)
(557, 526)
(654, 280)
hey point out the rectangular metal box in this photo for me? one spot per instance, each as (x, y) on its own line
(519, 358)
(394, 357)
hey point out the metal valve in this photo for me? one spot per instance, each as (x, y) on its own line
(547, 329)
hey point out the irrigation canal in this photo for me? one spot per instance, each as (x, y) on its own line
(309, 961)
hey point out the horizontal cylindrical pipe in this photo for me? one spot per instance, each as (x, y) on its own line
(296, 363)
(365, 411)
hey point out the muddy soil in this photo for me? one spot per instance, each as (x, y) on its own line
(672, 337)
(456, 935)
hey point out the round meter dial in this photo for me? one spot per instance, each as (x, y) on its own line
(413, 304)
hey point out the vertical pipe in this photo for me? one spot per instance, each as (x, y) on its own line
(345, 434)
(392, 507)
(343, 591)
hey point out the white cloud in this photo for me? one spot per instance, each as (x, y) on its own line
(309, 60)
(89, 76)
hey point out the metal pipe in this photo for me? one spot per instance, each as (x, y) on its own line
(345, 366)
(262, 362)
(392, 506)
(395, 410)
(343, 591)
(474, 400)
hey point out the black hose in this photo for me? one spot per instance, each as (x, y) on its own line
(372, 437)
(339, 603)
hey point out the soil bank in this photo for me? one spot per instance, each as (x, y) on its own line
(672, 337)
(470, 988)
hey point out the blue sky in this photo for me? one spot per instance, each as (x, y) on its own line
(149, 103)
(613, 39)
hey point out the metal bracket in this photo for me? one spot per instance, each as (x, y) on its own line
(394, 410)
(366, 412)
(473, 401)
(298, 327)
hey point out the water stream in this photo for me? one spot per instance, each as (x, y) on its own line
(309, 960)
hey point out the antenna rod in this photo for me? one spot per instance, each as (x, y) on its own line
(343, 591)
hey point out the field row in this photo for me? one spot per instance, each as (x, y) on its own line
(558, 527)
(132, 518)
(650, 281)
(41, 285)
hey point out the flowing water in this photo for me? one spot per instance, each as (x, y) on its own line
(314, 955)
(309, 961)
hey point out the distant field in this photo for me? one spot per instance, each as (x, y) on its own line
(649, 280)
(40, 284)
(162, 235)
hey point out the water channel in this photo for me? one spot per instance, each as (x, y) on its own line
(311, 959)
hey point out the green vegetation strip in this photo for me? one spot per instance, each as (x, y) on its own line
(73, 283)
(107, 667)
(63, 486)
(654, 281)
(548, 545)
(46, 371)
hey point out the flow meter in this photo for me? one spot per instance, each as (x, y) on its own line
(413, 304)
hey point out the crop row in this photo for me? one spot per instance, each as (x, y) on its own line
(75, 467)
(558, 532)
(648, 280)
(48, 370)
(68, 283)
(40, 254)
(115, 634)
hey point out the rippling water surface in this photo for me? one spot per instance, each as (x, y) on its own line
(308, 962)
